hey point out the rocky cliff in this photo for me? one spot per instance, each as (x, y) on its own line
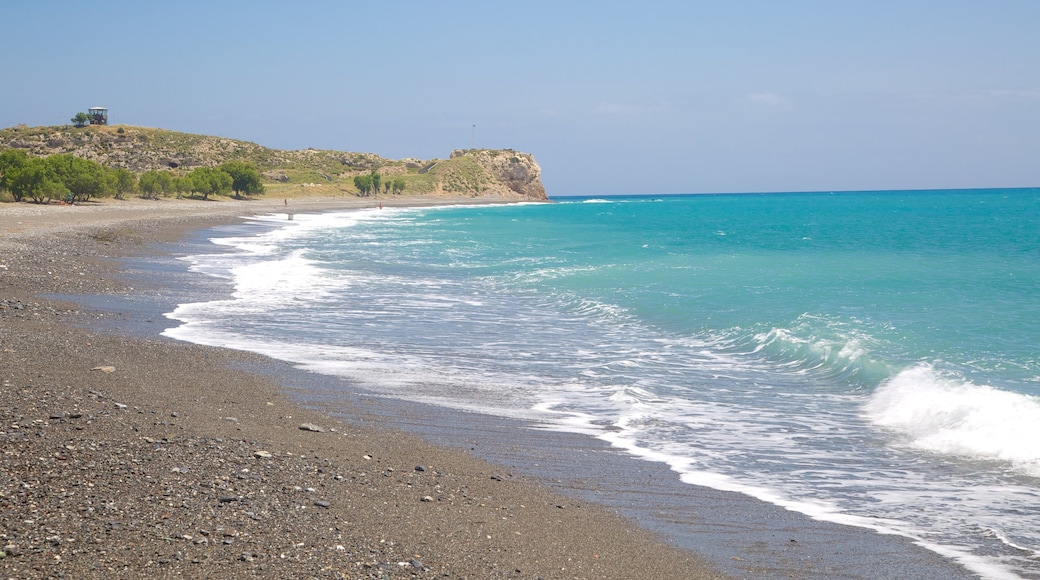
(519, 172)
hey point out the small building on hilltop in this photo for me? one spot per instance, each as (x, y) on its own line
(98, 115)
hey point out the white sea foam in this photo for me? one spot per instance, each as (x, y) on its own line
(697, 463)
(751, 410)
(952, 416)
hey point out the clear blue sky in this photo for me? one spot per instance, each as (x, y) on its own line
(611, 97)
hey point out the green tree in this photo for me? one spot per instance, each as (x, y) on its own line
(35, 180)
(11, 159)
(181, 185)
(83, 178)
(364, 184)
(210, 181)
(121, 181)
(375, 181)
(81, 119)
(398, 185)
(155, 183)
(245, 178)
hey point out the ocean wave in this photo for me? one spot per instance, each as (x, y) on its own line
(812, 412)
(842, 351)
(952, 416)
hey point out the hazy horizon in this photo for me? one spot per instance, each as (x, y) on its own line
(610, 98)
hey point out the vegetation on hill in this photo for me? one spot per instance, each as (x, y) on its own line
(72, 179)
(166, 162)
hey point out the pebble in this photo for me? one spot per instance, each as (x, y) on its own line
(312, 427)
(128, 484)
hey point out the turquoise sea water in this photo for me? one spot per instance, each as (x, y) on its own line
(866, 358)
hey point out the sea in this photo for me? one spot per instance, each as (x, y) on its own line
(869, 359)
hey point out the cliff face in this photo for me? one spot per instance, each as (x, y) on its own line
(517, 171)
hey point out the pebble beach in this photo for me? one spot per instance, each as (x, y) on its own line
(130, 456)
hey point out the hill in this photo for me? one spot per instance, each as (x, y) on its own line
(476, 172)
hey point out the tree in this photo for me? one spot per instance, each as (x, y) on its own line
(83, 178)
(245, 179)
(210, 181)
(364, 184)
(11, 159)
(35, 180)
(121, 181)
(181, 185)
(81, 119)
(375, 181)
(155, 183)
(398, 185)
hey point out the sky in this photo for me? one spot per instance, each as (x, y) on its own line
(650, 97)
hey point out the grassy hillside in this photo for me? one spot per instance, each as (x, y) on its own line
(141, 149)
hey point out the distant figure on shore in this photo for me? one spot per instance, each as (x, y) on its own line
(380, 205)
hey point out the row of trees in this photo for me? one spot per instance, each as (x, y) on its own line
(73, 179)
(367, 184)
(60, 177)
(235, 176)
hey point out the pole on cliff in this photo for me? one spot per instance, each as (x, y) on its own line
(473, 138)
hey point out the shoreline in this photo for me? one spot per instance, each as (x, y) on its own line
(127, 456)
(736, 530)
